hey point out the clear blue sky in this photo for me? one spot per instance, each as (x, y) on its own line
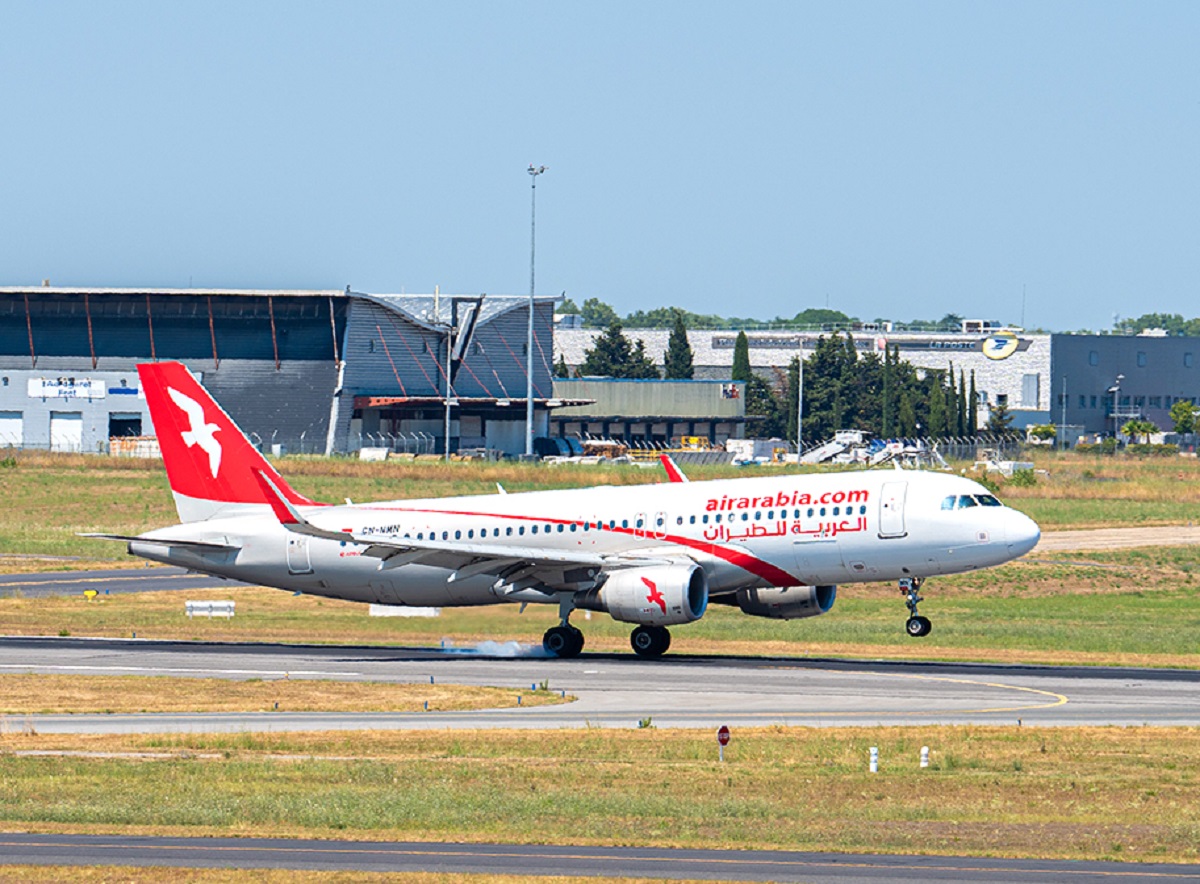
(888, 159)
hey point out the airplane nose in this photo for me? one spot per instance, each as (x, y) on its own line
(1021, 532)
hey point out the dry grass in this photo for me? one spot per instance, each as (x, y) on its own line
(24, 694)
(1099, 793)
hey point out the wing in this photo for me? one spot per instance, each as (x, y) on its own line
(519, 567)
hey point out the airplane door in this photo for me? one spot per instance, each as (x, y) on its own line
(297, 555)
(891, 509)
(660, 525)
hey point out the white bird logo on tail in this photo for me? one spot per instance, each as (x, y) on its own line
(201, 433)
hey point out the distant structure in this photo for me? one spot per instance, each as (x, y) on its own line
(301, 370)
(1040, 378)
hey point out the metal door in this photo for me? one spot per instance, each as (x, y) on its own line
(891, 509)
(297, 555)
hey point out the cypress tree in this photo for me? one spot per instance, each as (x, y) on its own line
(973, 408)
(609, 355)
(962, 405)
(741, 359)
(677, 363)
(937, 409)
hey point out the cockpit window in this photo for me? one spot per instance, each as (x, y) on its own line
(962, 501)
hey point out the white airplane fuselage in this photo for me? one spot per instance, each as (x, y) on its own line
(775, 530)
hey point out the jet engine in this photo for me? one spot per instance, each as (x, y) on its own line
(659, 595)
(787, 602)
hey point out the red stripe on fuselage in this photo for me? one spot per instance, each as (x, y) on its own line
(773, 574)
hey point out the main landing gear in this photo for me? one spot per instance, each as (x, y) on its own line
(563, 640)
(917, 625)
(650, 641)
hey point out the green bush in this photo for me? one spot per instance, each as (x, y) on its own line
(1145, 450)
(1023, 479)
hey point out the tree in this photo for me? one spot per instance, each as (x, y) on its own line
(973, 408)
(609, 355)
(937, 409)
(741, 359)
(567, 307)
(999, 420)
(561, 370)
(597, 314)
(1139, 428)
(640, 365)
(613, 356)
(762, 403)
(677, 363)
(1183, 415)
(963, 408)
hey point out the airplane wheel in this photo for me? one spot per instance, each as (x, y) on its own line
(563, 641)
(650, 641)
(918, 626)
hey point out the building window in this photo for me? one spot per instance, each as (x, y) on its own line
(1002, 399)
(1187, 360)
(1029, 390)
(1139, 401)
(1093, 402)
(1141, 359)
(1156, 401)
(1093, 357)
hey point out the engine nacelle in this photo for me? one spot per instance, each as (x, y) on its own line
(787, 602)
(659, 595)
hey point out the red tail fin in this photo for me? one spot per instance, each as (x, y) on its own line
(210, 464)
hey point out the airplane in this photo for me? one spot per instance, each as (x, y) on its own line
(774, 546)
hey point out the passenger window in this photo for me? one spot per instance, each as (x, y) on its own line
(534, 529)
(560, 528)
(810, 512)
(508, 532)
(458, 535)
(745, 517)
(691, 520)
(574, 526)
(521, 530)
(837, 510)
(624, 523)
(770, 514)
(471, 534)
(704, 519)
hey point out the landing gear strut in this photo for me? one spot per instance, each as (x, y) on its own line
(564, 640)
(917, 625)
(650, 641)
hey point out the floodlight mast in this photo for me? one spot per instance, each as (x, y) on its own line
(534, 171)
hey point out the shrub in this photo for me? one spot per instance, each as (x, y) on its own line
(1023, 479)
(1146, 450)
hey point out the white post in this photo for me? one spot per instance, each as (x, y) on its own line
(534, 171)
(924, 756)
(874, 759)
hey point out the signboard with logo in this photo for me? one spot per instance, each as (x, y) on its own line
(66, 388)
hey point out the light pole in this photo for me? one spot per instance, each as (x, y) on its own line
(534, 171)
(1115, 392)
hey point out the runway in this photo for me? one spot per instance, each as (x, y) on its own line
(542, 860)
(619, 690)
(116, 580)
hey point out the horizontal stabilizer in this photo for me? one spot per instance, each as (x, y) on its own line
(201, 545)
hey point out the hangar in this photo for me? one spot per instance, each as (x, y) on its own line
(315, 371)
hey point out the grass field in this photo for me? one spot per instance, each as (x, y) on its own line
(1057, 792)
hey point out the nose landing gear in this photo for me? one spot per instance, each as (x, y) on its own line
(916, 626)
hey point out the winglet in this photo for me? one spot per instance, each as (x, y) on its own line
(674, 474)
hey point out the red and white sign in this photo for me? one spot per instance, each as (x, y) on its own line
(723, 736)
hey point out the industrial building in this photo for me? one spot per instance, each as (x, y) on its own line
(648, 412)
(1089, 383)
(300, 370)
